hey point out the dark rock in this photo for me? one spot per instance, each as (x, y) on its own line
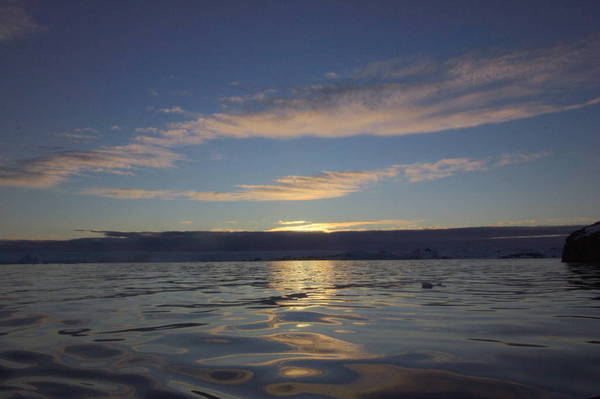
(426, 285)
(583, 245)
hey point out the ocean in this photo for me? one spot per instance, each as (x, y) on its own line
(419, 329)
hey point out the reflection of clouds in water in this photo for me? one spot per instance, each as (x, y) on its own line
(292, 316)
(277, 349)
(388, 381)
(319, 345)
(299, 372)
(277, 318)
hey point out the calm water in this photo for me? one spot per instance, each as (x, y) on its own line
(301, 329)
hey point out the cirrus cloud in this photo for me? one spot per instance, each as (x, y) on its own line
(393, 97)
(327, 184)
(56, 168)
(172, 110)
(400, 97)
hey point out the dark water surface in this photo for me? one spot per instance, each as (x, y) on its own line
(301, 329)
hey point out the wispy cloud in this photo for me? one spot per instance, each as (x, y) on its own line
(399, 97)
(443, 168)
(78, 137)
(47, 171)
(81, 134)
(421, 171)
(288, 188)
(131, 193)
(260, 96)
(288, 222)
(169, 137)
(328, 227)
(509, 159)
(326, 184)
(186, 222)
(172, 110)
(15, 21)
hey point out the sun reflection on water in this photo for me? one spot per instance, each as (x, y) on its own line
(315, 278)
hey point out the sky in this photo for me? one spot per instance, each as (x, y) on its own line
(309, 115)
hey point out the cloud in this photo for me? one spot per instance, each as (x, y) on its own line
(509, 159)
(172, 110)
(325, 185)
(169, 137)
(51, 170)
(328, 227)
(421, 171)
(284, 222)
(443, 168)
(78, 137)
(261, 96)
(288, 188)
(400, 97)
(81, 134)
(186, 222)
(15, 21)
(130, 193)
(115, 127)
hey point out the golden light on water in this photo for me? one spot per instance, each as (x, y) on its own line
(296, 276)
(298, 372)
(311, 282)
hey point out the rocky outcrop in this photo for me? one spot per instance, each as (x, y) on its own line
(583, 245)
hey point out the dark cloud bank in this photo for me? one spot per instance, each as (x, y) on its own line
(172, 246)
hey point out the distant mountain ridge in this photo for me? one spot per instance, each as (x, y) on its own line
(174, 246)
